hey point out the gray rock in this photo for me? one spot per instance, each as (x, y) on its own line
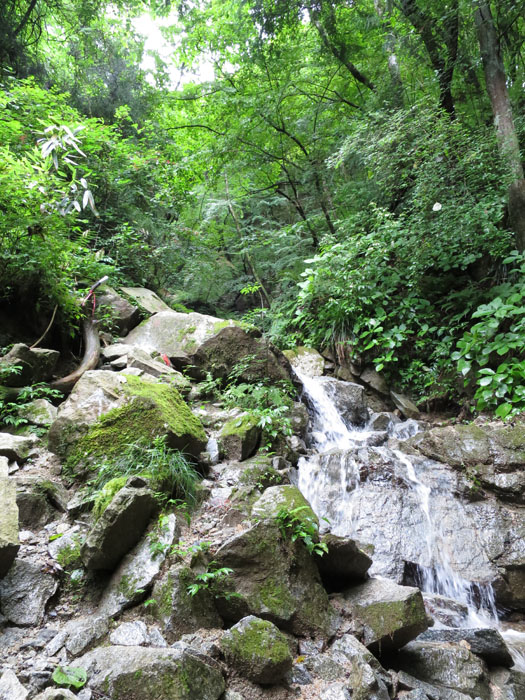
(10, 687)
(485, 642)
(139, 568)
(177, 610)
(306, 360)
(146, 299)
(239, 438)
(122, 315)
(448, 611)
(405, 405)
(299, 419)
(346, 561)
(371, 378)
(24, 592)
(9, 542)
(349, 400)
(257, 650)
(119, 528)
(82, 634)
(335, 691)
(450, 665)
(275, 579)
(507, 685)
(391, 615)
(367, 679)
(433, 692)
(37, 364)
(142, 673)
(115, 351)
(38, 500)
(39, 412)
(382, 421)
(283, 497)
(16, 447)
(56, 694)
(130, 634)
(140, 359)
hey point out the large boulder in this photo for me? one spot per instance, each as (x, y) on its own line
(367, 679)
(119, 528)
(390, 615)
(16, 447)
(485, 642)
(306, 361)
(24, 593)
(177, 610)
(452, 666)
(38, 500)
(239, 437)
(284, 498)
(39, 412)
(9, 543)
(138, 570)
(36, 365)
(141, 673)
(345, 561)
(275, 579)
(116, 312)
(257, 650)
(125, 409)
(146, 299)
(349, 400)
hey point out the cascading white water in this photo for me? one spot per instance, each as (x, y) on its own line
(335, 461)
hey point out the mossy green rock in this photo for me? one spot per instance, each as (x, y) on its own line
(141, 673)
(257, 650)
(391, 615)
(284, 497)
(306, 360)
(177, 610)
(147, 409)
(239, 438)
(275, 579)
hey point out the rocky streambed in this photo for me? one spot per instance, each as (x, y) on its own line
(236, 602)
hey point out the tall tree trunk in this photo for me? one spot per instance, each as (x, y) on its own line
(502, 111)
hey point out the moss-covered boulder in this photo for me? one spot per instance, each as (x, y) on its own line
(239, 438)
(140, 409)
(177, 610)
(257, 650)
(307, 361)
(390, 615)
(119, 528)
(285, 497)
(142, 673)
(275, 579)
(9, 543)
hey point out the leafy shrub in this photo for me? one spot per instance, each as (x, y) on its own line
(294, 524)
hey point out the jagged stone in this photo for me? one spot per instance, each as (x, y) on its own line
(275, 579)
(367, 680)
(39, 412)
(257, 650)
(122, 315)
(507, 684)
(448, 611)
(10, 687)
(38, 500)
(56, 694)
(119, 528)
(140, 359)
(391, 615)
(177, 610)
(371, 378)
(346, 561)
(16, 447)
(284, 497)
(432, 692)
(130, 634)
(82, 634)
(115, 351)
(9, 542)
(239, 438)
(142, 673)
(137, 571)
(24, 593)
(407, 407)
(37, 364)
(447, 665)
(485, 642)
(349, 400)
(145, 299)
(307, 360)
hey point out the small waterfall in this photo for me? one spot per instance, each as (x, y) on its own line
(330, 479)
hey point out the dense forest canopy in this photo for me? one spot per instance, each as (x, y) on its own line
(351, 178)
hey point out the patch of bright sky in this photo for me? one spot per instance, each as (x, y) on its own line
(156, 42)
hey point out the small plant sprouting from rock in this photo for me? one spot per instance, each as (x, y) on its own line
(70, 677)
(209, 580)
(295, 526)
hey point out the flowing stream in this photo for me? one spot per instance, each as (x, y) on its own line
(330, 479)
